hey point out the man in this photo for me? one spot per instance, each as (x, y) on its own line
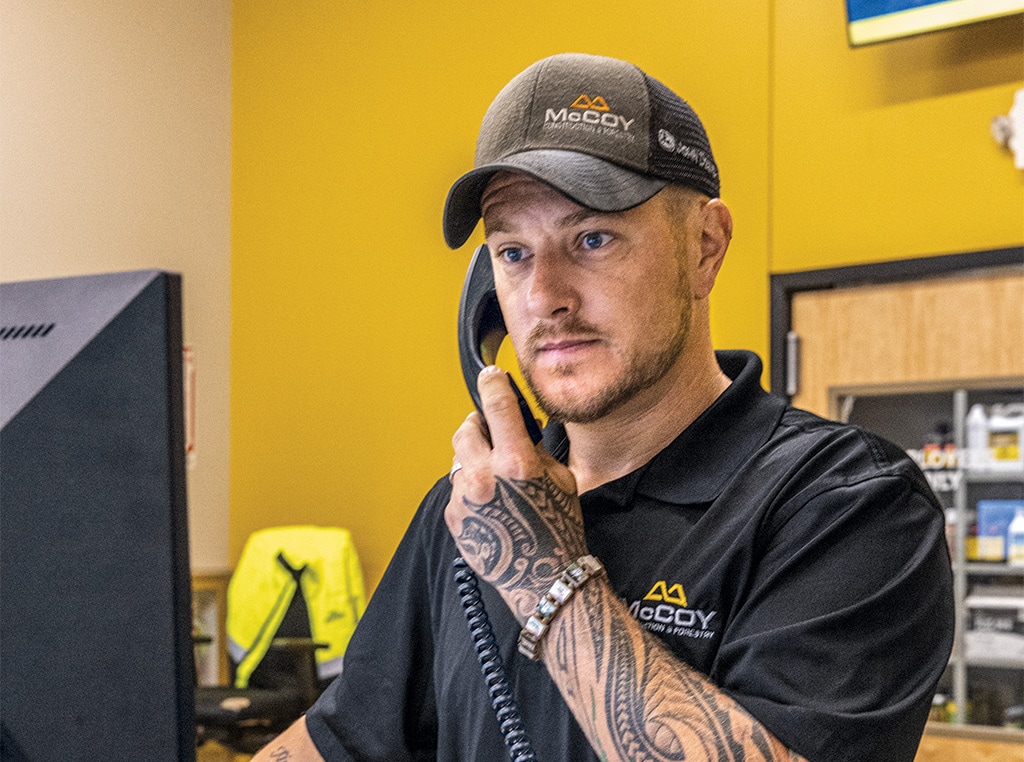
(699, 570)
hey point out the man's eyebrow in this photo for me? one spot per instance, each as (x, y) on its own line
(498, 225)
(580, 215)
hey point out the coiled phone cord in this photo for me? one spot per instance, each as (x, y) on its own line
(492, 665)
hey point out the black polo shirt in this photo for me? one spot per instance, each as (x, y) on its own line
(799, 563)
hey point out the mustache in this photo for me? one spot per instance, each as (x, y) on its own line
(572, 327)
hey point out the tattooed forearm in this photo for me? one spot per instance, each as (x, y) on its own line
(633, 698)
(636, 701)
(523, 538)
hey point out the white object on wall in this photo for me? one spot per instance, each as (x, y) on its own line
(1008, 129)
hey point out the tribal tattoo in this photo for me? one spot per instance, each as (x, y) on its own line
(633, 698)
(523, 538)
(636, 701)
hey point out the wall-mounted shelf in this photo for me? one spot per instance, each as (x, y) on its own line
(982, 569)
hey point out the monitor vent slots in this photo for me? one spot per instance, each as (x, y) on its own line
(35, 331)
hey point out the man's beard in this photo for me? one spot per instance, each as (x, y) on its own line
(642, 372)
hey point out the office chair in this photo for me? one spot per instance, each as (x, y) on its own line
(293, 602)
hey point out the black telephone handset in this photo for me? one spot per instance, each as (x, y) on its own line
(481, 331)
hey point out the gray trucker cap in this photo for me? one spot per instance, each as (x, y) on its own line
(596, 129)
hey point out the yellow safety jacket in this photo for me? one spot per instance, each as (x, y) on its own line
(261, 589)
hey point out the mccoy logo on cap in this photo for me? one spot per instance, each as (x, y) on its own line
(585, 101)
(597, 129)
(593, 112)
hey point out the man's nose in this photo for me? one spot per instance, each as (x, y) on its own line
(553, 285)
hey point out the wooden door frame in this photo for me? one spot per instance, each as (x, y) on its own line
(784, 286)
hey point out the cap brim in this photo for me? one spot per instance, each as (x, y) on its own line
(587, 180)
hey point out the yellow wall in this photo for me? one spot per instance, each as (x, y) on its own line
(350, 121)
(885, 152)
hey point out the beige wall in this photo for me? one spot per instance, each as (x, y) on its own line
(115, 155)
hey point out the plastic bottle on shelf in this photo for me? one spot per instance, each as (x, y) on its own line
(977, 438)
(1015, 539)
(951, 521)
(1005, 432)
(940, 709)
(939, 452)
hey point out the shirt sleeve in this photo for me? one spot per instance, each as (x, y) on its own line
(382, 706)
(847, 623)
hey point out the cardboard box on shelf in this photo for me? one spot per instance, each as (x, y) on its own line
(995, 624)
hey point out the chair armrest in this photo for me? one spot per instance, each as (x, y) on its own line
(297, 644)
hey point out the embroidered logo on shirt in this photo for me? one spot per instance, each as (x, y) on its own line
(661, 592)
(665, 611)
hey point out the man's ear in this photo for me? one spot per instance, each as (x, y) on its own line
(716, 232)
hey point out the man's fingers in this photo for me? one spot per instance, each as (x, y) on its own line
(514, 452)
(475, 475)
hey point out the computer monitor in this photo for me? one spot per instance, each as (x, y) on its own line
(95, 597)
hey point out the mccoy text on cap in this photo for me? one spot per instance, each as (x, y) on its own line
(597, 129)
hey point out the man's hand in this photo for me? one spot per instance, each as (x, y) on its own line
(516, 518)
(514, 512)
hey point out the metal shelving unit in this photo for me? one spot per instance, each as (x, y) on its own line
(904, 414)
(964, 570)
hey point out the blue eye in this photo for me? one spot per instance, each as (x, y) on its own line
(512, 254)
(594, 240)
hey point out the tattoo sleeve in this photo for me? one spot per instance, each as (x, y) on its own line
(633, 698)
(636, 701)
